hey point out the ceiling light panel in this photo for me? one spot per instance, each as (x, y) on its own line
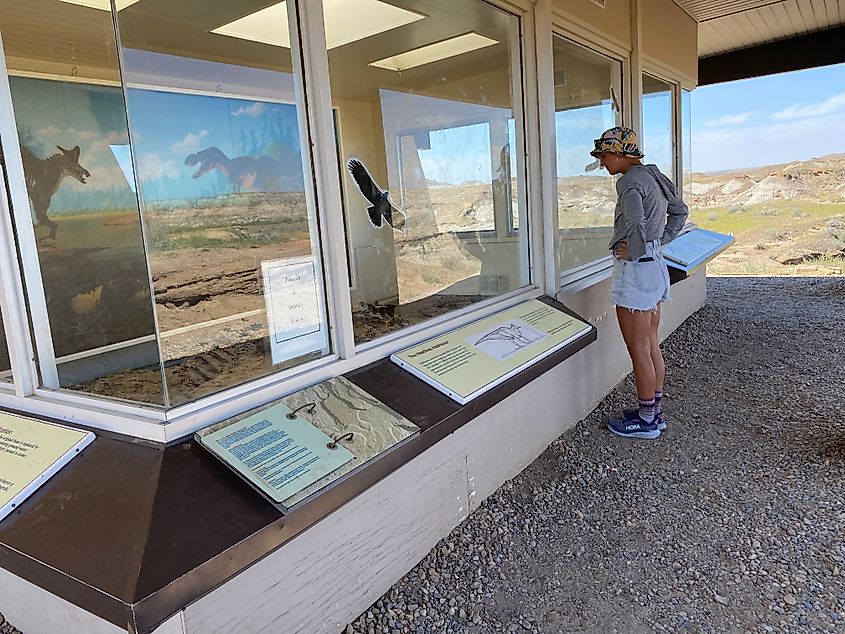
(103, 5)
(346, 21)
(435, 52)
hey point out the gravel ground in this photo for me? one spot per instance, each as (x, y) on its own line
(732, 521)
(6, 627)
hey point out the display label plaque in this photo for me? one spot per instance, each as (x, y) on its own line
(692, 249)
(30, 453)
(471, 360)
(279, 455)
(295, 314)
(356, 421)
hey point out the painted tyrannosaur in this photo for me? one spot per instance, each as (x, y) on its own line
(43, 177)
(251, 173)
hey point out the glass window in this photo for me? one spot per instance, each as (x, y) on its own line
(70, 117)
(173, 209)
(5, 363)
(657, 124)
(223, 178)
(427, 100)
(686, 143)
(588, 95)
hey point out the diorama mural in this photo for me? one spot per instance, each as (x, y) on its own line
(222, 188)
(85, 213)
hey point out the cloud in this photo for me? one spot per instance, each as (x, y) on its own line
(255, 110)
(153, 168)
(190, 143)
(731, 119)
(766, 144)
(799, 111)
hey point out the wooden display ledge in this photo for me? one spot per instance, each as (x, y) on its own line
(133, 532)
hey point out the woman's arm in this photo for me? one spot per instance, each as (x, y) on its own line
(677, 213)
(632, 206)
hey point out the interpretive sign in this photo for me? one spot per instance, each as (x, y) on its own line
(335, 415)
(275, 450)
(30, 453)
(469, 361)
(295, 315)
(692, 249)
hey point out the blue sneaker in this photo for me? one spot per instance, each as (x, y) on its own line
(636, 428)
(634, 414)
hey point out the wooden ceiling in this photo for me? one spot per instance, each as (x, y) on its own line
(731, 25)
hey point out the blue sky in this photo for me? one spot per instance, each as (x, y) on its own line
(748, 123)
(766, 120)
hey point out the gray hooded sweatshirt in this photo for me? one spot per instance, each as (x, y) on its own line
(649, 208)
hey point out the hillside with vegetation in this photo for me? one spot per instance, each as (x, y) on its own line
(788, 219)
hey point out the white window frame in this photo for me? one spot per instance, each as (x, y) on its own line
(561, 24)
(681, 145)
(675, 104)
(310, 55)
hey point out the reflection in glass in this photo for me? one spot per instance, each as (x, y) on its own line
(657, 124)
(686, 143)
(588, 95)
(5, 363)
(70, 117)
(425, 114)
(231, 230)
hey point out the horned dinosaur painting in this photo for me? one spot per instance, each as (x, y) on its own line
(45, 175)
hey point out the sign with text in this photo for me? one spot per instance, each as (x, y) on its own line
(295, 315)
(30, 453)
(469, 361)
(694, 248)
(277, 454)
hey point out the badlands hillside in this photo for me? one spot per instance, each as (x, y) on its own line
(817, 180)
(788, 219)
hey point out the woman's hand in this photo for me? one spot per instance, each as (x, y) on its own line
(620, 250)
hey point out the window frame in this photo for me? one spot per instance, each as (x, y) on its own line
(593, 272)
(309, 53)
(675, 105)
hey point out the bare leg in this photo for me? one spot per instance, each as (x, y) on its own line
(656, 354)
(636, 328)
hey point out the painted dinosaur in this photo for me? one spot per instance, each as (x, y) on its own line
(43, 177)
(251, 173)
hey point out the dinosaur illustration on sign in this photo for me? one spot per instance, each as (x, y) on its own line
(43, 177)
(511, 333)
(504, 341)
(251, 173)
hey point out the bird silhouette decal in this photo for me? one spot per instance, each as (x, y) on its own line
(381, 208)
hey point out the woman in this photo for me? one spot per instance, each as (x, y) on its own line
(649, 214)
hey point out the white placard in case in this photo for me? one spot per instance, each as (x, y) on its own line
(295, 312)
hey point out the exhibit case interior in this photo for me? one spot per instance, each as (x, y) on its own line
(179, 242)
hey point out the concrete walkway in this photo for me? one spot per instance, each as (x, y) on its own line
(732, 521)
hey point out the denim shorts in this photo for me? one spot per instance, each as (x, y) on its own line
(643, 283)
